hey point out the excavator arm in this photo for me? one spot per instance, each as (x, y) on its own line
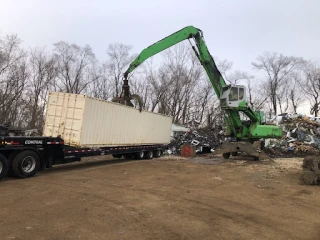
(202, 53)
(161, 45)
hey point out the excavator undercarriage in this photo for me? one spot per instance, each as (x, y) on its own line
(233, 148)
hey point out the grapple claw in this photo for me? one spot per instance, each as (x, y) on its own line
(126, 97)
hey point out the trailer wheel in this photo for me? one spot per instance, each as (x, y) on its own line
(157, 153)
(234, 154)
(139, 155)
(25, 164)
(117, 155)
(256, 158)
(128, 156)
(226, 155)
(149, 155)
(3, 166)
(10, 159)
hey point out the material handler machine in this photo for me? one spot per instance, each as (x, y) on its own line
(246, 136)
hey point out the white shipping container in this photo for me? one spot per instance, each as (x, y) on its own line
(83, 121)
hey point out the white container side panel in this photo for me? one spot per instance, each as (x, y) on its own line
(64, 116)
(111, 124)
(83, 121)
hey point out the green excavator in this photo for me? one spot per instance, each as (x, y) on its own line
(244, 135)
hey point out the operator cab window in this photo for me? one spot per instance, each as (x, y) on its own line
(241, 93)
(233, 96)
(224, 89)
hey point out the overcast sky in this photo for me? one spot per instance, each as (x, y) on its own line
(233, 29)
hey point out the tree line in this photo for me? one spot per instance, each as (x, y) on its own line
(178, 86)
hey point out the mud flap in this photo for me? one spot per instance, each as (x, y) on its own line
(246, 147)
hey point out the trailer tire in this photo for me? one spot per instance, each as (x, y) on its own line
(139, 155)
(157, 153)
(10, 159)
(226, 155)
(25, 164)
(234, 154)
(149, 155)
(3, 166)
(117, 155)
(256, 158)
(128, 156)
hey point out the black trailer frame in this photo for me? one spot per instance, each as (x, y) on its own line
(23, 156)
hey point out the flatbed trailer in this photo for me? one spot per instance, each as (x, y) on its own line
(23, 156)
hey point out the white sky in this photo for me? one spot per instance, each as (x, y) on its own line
(236, 30)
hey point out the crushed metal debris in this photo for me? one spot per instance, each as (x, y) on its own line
(205, 140)
(301, 136)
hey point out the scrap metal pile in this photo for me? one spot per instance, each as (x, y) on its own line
(204, 139)
(301, 136)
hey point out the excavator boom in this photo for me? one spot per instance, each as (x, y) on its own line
(203, 54)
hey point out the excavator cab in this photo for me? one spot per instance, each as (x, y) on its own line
(233, 96)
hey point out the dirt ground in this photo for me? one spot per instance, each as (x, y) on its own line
(165, 198)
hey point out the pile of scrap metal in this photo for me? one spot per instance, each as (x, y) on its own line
(205, 140)
(311, 173)
(301, 136)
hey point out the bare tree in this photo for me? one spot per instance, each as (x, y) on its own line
(310, 85)
(203, 100)
(231, 76)
(119, 58)
(10, 54)
(102, 87)
(215, 115)
(183, 71)
(42, 72)
(75, 67)
(13, 76)
(278, 69)
(256, 94)
(157, 83)
(295, 95)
